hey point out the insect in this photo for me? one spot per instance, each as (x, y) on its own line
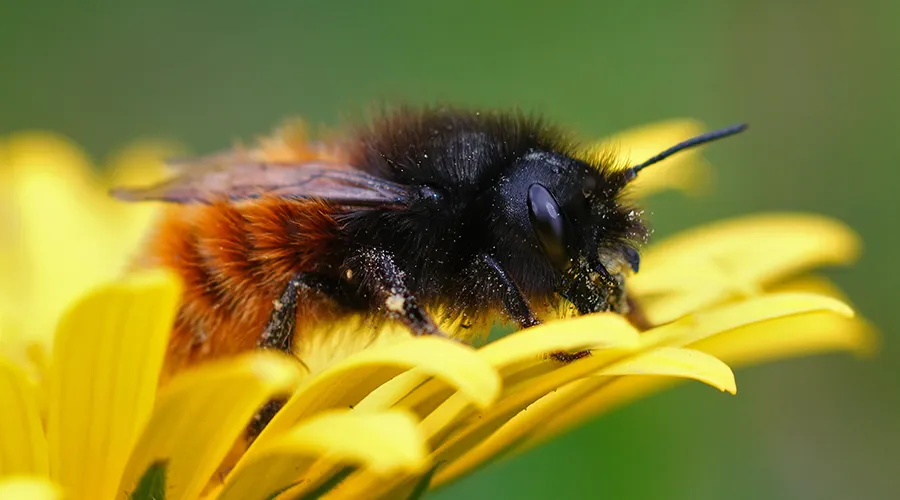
(478, 215)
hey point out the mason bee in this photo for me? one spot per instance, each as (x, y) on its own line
(479, 215)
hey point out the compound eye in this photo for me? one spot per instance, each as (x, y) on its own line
(549, 225)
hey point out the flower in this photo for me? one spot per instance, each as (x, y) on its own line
(407, 414)
(96, 417)
(60, 233)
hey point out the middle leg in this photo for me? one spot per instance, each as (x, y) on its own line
(380, 278)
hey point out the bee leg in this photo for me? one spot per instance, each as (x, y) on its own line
(514, 301)
(279, 333)
(587, 298)
(384, 280)
(516, 305)
(636, 315)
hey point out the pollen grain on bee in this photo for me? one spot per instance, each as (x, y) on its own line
(395, 303)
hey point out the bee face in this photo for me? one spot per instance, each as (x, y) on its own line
(571, 215)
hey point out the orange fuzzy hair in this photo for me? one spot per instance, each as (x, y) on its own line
(235, 258)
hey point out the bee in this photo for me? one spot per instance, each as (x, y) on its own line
(481, 216)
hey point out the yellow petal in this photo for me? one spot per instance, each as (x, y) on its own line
(56, 202)
(662, 310)
(347, 383)
(126, 224)
(23, 447)
(686, 171)
(735, 258)
(141, 163)
(811, 283)
(106, 360)
(464, 372)
(411, 488)
(701, 325)
(595, 331)
(46, 181)
(806, 334)
(768, 338)
(201, 412)
(521, 356)
(450, 415)
(28, 488)
(666, 361)
(677, 362)
(757, 248)
(13, 346)
(788, 240)
(383, 443)
(703, 274)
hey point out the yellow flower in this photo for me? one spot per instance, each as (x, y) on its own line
(60, 233)
(408, 414)
(96, 418)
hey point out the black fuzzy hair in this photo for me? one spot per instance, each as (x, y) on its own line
(471, 165)
(394, 143)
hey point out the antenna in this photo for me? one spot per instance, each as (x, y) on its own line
(690, 143)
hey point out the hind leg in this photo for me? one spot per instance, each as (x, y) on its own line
(281, 327)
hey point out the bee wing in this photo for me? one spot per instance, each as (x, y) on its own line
(218, 177)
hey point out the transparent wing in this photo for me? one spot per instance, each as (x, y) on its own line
(236, 177)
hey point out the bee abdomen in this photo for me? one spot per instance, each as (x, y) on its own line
(234, 260)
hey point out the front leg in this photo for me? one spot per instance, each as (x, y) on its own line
(579, 289)
(381, 279)
(516, 305)
(514, 301)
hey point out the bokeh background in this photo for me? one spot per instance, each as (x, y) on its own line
(818, 81)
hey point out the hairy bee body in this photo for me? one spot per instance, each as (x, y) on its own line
(235, 256)
(430, 217)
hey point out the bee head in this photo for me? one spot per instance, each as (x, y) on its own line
(573, 215)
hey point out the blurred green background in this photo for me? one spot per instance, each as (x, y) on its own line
(818, 81)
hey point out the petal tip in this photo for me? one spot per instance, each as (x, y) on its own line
(281, 370)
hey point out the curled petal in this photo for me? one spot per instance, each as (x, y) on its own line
(349, 382)
(803, 333)
(523, 355)
(475, 381)
(662, 362)
(473, 428)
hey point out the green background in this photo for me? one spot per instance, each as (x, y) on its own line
(818, 81)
